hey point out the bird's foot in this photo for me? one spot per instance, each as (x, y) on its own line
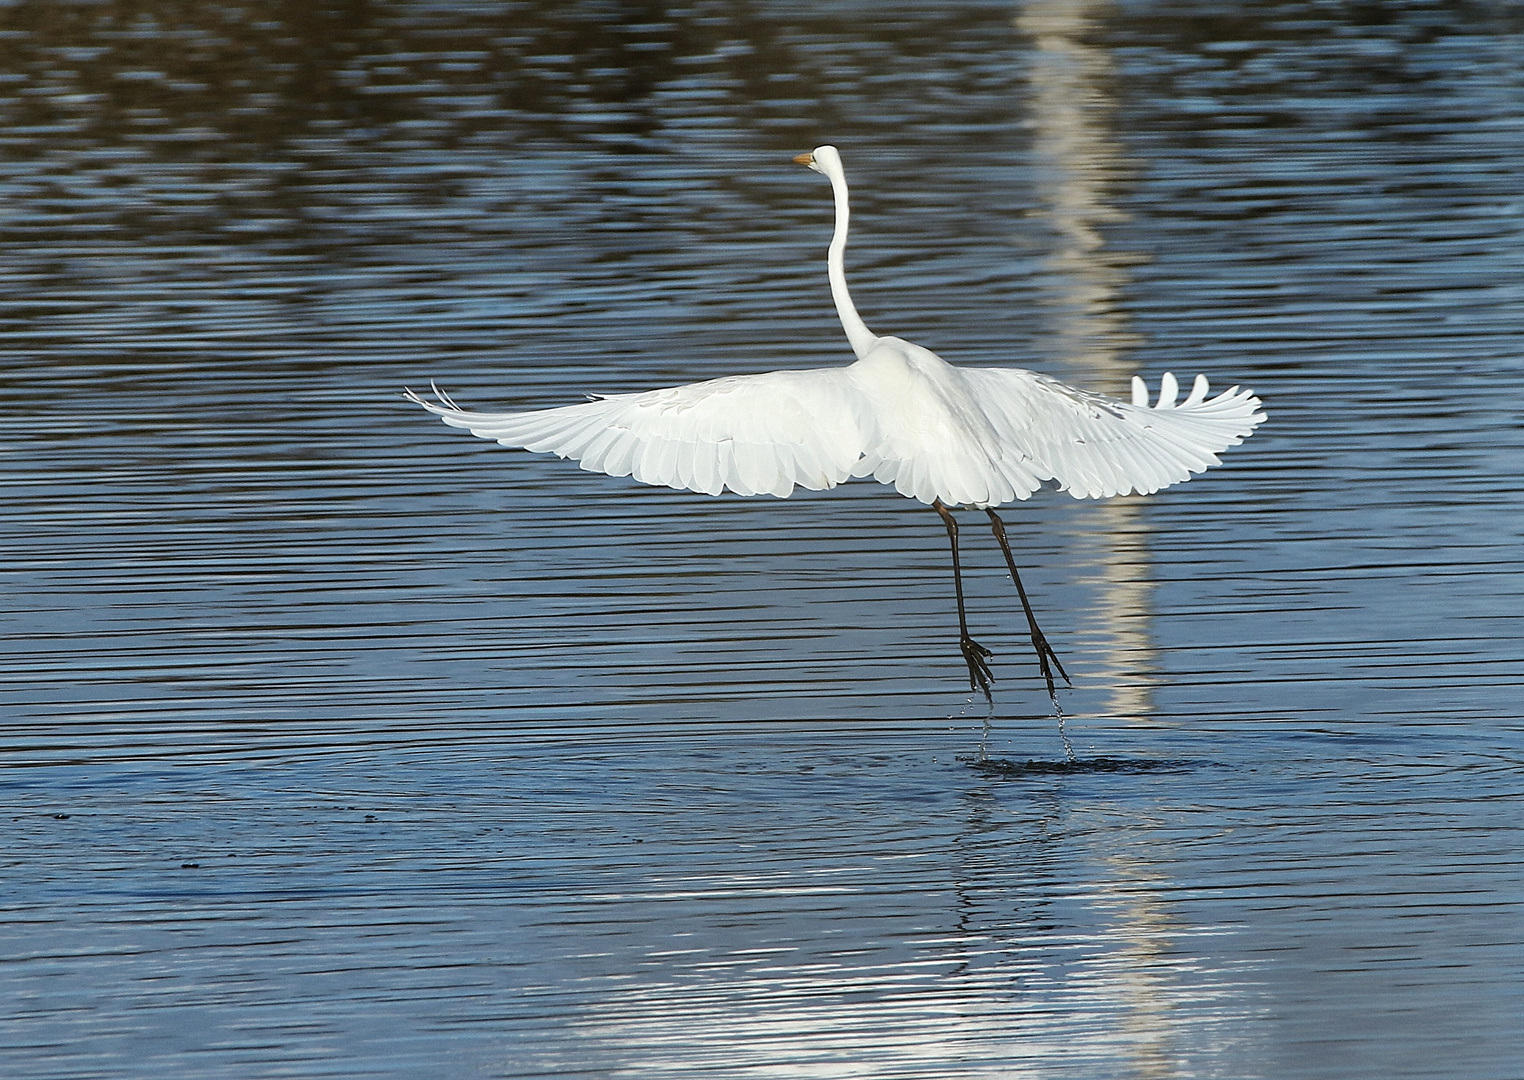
(1047, 661)
(977, 658)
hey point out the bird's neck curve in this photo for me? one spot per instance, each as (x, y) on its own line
(859, 336)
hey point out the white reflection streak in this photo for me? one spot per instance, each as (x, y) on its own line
(1071, 111)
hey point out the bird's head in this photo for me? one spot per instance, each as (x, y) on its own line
(823, 159)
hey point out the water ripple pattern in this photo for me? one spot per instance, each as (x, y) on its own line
(337, 744)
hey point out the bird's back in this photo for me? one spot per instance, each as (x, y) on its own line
(927, 434)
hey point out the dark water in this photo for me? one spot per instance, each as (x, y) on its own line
(338, 744)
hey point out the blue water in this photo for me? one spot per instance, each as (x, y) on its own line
(336, 743)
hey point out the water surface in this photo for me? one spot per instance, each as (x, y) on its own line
(337, 743)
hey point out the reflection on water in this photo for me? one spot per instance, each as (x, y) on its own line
(1073, 119)
(1043, 767)
(337, 746)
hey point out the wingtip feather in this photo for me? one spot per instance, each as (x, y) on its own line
(1169, 390)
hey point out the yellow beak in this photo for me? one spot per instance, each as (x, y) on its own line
(804, 159)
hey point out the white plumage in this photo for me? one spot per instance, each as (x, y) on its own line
(968, 436)
(943, 435)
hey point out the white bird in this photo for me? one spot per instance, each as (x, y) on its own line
(943, 435)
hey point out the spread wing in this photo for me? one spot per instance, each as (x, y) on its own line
(753, 434)
(1096, 446)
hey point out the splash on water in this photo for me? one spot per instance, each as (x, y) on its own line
(1058, 711)
(988, 725)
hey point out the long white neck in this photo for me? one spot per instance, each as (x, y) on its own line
(861, 338)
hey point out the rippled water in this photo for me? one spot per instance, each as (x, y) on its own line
(338, 744)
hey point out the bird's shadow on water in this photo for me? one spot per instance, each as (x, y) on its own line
(989, 766)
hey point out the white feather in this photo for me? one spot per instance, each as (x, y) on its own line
(980, 436)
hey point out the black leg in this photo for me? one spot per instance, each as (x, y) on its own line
(1047, 659)
(974, 654)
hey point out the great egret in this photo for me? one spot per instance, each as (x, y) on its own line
(943, 435)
